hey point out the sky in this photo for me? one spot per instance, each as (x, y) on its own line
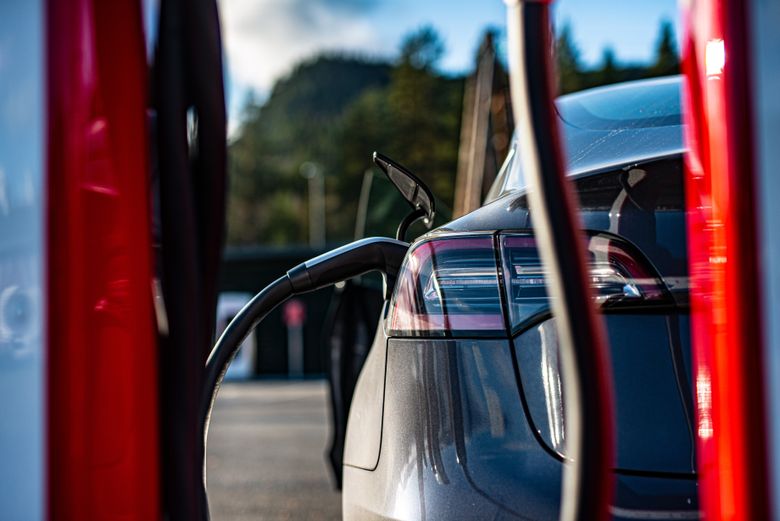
(264, 39)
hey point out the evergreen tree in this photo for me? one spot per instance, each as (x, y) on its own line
(300, 121)
(609, 72)
(336, 110)
(422, 49)
(425, 113)
(567, 56)
(667, 60)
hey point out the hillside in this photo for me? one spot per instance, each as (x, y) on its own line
(335, 111)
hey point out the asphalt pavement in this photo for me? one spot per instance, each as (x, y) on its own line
(266, 453)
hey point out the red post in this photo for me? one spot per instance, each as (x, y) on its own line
(723, 260)
(102, 357)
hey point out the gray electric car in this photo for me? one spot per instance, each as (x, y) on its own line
(458, 412)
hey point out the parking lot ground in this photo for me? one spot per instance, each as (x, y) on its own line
(266, 453)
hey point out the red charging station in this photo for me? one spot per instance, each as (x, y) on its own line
(728, 236)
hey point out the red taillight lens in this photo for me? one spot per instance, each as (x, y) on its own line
(450, 286)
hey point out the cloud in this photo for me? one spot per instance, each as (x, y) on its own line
(264, 39)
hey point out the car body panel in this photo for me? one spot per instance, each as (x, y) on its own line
(647, 369)
(455, 441)
(364, 435)
(455, 445)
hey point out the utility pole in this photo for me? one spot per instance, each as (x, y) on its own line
(362, 211)
(313, 172)
(486, 129)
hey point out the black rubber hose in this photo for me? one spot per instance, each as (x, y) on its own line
(227, 345)
(409, 220)
(191, 167)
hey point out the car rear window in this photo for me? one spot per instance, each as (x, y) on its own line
(625, 106)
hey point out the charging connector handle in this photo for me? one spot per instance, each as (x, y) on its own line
(372, 254)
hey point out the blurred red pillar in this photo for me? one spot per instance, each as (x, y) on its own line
(724, 267)
(102, 372)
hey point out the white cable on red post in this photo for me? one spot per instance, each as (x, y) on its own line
(587, 477)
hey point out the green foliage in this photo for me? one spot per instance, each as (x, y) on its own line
(422, 49)
(336, 111)
(573, 76)
(608, 72)
(299, 122)
(666, 58)
(425, 111)
(569, 67)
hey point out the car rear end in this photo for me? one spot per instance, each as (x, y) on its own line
(466, 411)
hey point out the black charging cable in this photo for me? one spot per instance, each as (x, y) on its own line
(372, 254)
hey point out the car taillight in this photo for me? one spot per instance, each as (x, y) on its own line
(619, 276)
(450, 286)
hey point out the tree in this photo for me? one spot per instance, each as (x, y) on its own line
(335, 111)
(425, 112)
(568, 61)
(299, 122)
(422, 49)
(667, 60)
(609, 72)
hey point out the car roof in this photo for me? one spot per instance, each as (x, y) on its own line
(611, 126)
